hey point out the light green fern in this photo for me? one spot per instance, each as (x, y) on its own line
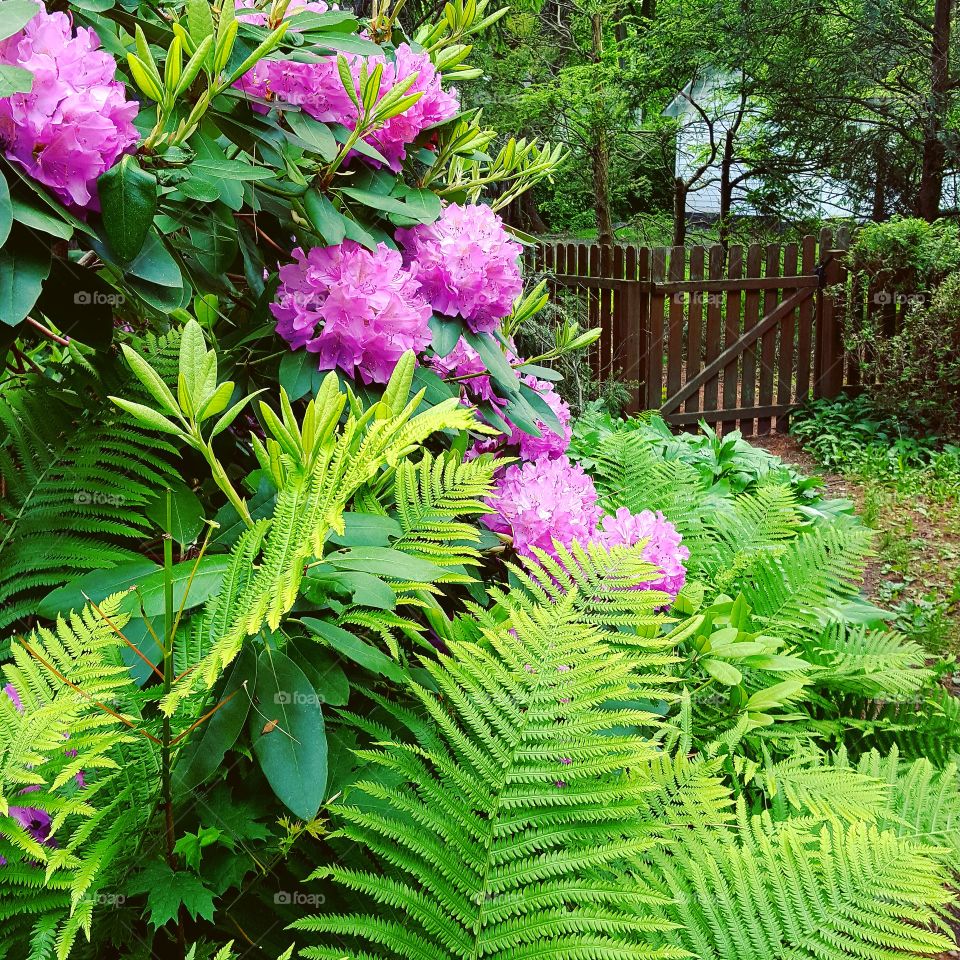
(515, 804)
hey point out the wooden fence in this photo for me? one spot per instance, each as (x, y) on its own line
(736, 337)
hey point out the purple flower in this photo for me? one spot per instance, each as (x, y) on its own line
(468, 265)
(464, 361)
(357, 310)
(662, 546)
(35, 822)
(544, 501)
(76, 121)
(317, 89)
(11, 691)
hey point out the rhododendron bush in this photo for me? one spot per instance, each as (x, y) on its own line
(268, 445)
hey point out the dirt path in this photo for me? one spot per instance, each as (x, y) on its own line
(916, 570)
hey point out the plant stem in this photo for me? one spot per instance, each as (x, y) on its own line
(169, 631)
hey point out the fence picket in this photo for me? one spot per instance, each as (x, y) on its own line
(678, 265)
(695, 326)
(731, 333)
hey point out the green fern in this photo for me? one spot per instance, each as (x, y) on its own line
(784, 890)
(513, 807)
(71, 490)
(71, 684)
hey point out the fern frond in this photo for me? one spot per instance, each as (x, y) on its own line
(73, 689)
(513, 803)
(779, 890)
(72, 488)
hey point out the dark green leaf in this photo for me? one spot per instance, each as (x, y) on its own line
(314, 134)
(186, 513)
(297, 370)
(385, 562)
(23, 268)
(39, 219)
(205, 582)
(208, 744)
(128, 199)
(367, 530)
(355, 649)
(288, 735)
(97, 585)
(326, 220)
(6, 210)
(446, 334)
(15, 15)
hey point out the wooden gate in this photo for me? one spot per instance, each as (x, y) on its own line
(735, 337)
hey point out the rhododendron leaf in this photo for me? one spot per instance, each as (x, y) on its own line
(128, 199)
(346, 43)
(386, 562)
(496, 362)
(186, 513)
(23, 268)
(199, 20)
(326, 220)
(37, 219)
(298, 373)
(288, 735)
(148, 416)
(357, 650)
(150, 379)
(545, 413)
(521, 414)
(193, 583)
(367, 530)
(96, 585)
(6, 210)
(410, 210)
(207, 745)
(229, 169)
(261, 51)
(154, 263)
(321, 668)
(14, 80)
(15, 15)
(315, 135)
(307, 21)
(446, 334)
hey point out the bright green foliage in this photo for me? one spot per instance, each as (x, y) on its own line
(73, 486)
(433, 498)
(54, 889)
(318, 465)
(784, 890)
(514, 807)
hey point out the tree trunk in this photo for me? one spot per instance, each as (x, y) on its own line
(530, 217)
(600, 152)
(934, 152)
(726, 190)
(679, 212)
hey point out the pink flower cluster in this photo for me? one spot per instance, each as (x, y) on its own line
(552, 500)
(76, 121)
(544, 501)
(357, 310)
(662, 547)
(317, 89)
(469, 266)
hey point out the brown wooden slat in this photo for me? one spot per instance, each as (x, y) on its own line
(731, 333)
(785, 358)
(695, 324)
(748, 362)
(805, 323)
(618, 316)
(638, 314)
(728, 415)
(658, 264)
(756, 283)
(824, 307)
(768, 348)
(714, 344)
(593, 312)
(678, 266)
(550, 266)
